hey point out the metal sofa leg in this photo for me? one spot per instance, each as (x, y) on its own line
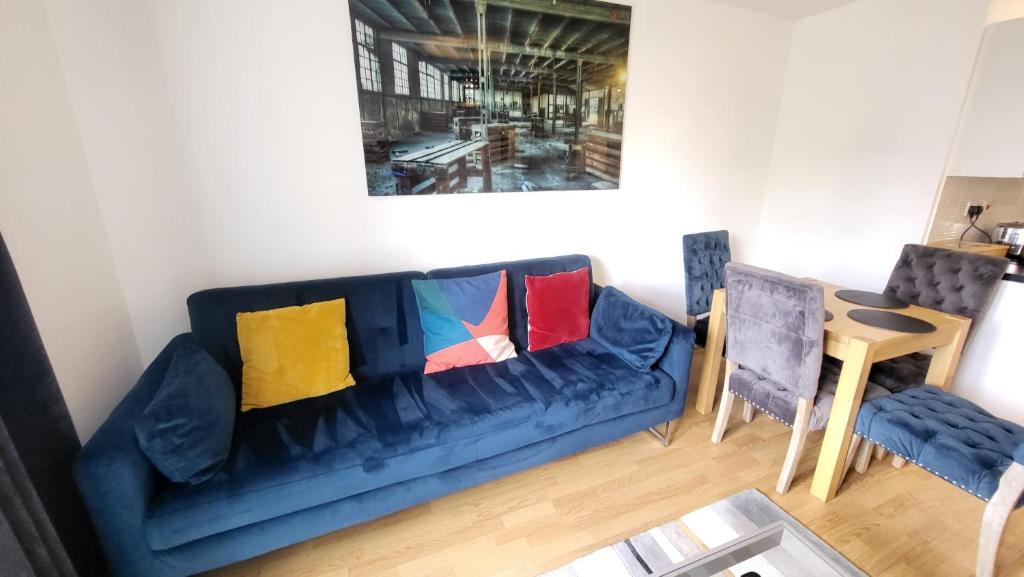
(665, 438)
(1011, 485)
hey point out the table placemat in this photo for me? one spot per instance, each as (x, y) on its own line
(891, 321)
(870, 299)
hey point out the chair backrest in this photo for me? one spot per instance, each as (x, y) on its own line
(951, 281)
(775, 326)
(705, 255)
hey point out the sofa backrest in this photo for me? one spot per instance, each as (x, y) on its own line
(381, 317)
(516, 277)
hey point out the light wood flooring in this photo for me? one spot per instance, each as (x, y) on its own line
(888, 522)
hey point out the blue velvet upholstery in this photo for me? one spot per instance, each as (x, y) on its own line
(705, 255)
(945, 434)
(186, 430)
(383, 325)
(635, 333)
(516, 272)
(399, 427)
(394, 440)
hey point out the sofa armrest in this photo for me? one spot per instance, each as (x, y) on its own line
(676, 360)
(117, 480)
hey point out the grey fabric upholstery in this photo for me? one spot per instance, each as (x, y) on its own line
(950, 281)
(705, 255)
(775, 327)
(779, 403)
(901, 373)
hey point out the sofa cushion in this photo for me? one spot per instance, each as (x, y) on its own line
(400, 427)
(634, 332)
(558, 308)
(517, 271)
(186, 429)
(383, 326)
(464, 320)
(945, 434)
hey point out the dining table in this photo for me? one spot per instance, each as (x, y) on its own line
(859, 346)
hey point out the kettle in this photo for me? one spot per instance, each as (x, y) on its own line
(1010, 234)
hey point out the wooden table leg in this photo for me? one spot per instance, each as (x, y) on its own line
(947, 358)
(849, 392)
(712, 354)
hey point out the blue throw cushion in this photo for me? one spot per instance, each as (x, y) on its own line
(635, 333)
(186, 429)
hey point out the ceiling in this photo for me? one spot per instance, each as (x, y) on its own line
(792, 9)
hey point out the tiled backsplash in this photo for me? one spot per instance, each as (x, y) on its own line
(1005, 195)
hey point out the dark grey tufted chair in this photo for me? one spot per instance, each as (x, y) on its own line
(705, 255)
(775, 331)
(951, 281)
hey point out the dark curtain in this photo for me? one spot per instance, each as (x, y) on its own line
(44, 528)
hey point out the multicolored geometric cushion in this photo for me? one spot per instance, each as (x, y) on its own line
(558, 308)
(465, 321)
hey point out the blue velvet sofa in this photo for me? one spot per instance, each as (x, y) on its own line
(396, 439)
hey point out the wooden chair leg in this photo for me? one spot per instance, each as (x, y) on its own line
(748, 412)
(1011, 486)
(724, 406)
(851, 456)
(864, 456)
(898, 461)
(796, 444)
(880, 452)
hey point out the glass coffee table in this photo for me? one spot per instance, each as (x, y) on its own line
(745, 556)
(744, 535)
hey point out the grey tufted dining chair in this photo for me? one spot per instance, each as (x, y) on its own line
(705, 255)
(951, 281)
(775, 330)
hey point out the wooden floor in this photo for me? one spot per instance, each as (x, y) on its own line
(888, 522)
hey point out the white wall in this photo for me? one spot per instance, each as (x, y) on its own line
(224, 142)
(52, 225)
(990, 140)
(870, 107)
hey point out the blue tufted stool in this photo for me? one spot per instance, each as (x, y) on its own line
(956, 440)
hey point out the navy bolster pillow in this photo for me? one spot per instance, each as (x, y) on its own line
(186, 429)
(635, 333)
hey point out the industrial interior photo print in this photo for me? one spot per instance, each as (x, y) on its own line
(460, 96)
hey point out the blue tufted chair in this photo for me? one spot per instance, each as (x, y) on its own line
(956, 440)
(705, 255)
(775, 326)
(951, 281)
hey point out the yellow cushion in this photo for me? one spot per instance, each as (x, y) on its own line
(293, 353)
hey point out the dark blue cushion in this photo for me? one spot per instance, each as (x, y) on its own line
(945, 434)
(705, 255)
(634, 332)
(401, 427)
(517, 271)
(186, 429)
(384, 332)
(1018, 455)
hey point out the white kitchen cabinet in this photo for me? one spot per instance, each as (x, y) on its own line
(991, 137)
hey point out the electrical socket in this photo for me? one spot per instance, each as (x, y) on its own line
(977, 206)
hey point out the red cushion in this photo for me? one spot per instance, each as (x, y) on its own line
(558, 308)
